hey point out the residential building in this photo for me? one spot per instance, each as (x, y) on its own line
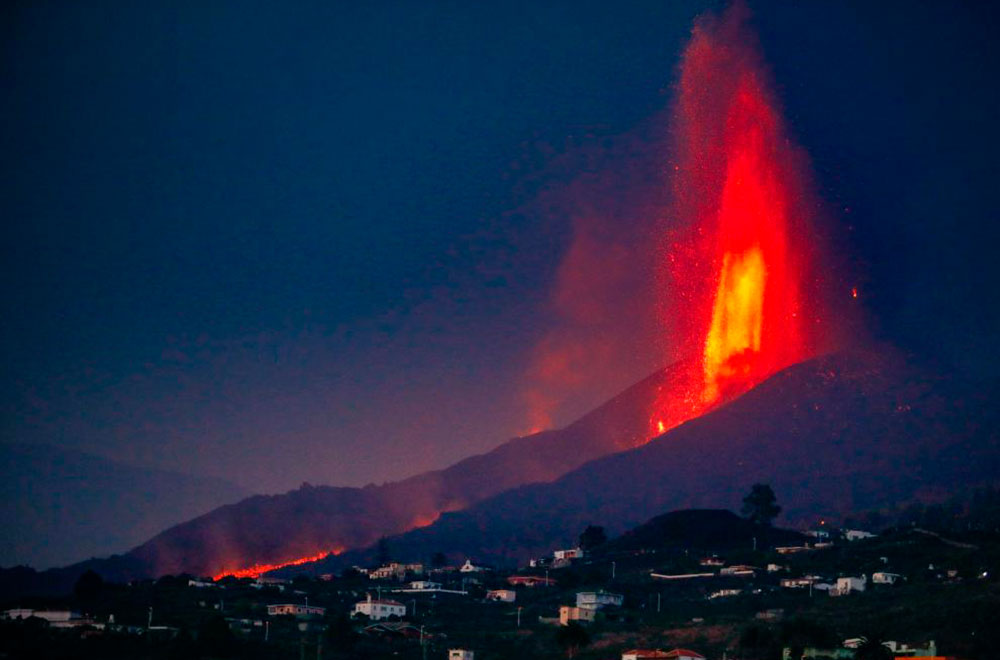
(885, 578)
(396, 570)
(295, 609)
(502, 595)
(739, 570)
(569, 613)
(857, 534)
(595, 600)
(675, 654)
(469, 567)
(530, 581)
(461, 654)
(379, 609)
(425, 585)
(846, 585)
(725, 593)
(55, 618)
(712, 561)
(570, 553)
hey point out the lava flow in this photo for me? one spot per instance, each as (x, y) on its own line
(259, 569)
(741, 265)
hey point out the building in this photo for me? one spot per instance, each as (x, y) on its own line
(711, 561)
(530, 581)
(570, 553)
(724, 593)
(502, 595)
(295, 609)
(846, 585)
(396, 570)
(774, 568)
(739, 570)
(595, 600)
(379, 609)
(461, 654)
(425, 585)
(55, 618)
(885, 578)
(798, 583)
(569, 613)
(857, 534)
(675, 654)
(469, 567)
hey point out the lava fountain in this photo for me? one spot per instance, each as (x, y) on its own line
(743, 264)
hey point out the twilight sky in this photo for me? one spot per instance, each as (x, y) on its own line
(347, 242)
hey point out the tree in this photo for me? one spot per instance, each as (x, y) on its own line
(382, 553)
(592, 537)
(439, 560)
(872, 647)
(88, 587)
(572, 637)
(760, 505)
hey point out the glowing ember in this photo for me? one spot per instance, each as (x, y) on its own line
(259, 569)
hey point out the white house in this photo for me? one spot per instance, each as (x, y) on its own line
(425, 585)
(846, 585)
(774, 568)
(295, 609)
(739, 570)
(724, 593)
(885, 578)
(570, 553)
(502, 595)
(461, 654)
(595, 600)
(379, 609)
(569, 613)
(857, 534)
(712, 561)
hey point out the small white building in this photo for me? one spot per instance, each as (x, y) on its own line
(569, 613)
(857, 534)
(569, 553)
(595, 600)
(379, 609)
(885, 578)
(847, 585)
(775, 568)
(712, 561)
(461, 654)
(724, 593)
(469, 567)
(502, 595)
(425, 585)
(295, 609)
(739, 570)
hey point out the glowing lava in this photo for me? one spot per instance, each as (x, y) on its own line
(259, 569)
(741, 265)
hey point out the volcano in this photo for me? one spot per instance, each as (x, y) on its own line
(837, 435)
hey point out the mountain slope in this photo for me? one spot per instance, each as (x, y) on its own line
(839, 434)
(317, 519)
(62, 506)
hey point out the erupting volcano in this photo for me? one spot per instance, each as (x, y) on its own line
(745, 255)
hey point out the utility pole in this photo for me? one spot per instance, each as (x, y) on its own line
(519, 608)
(657, 603)
(149, 622)
(755, 544)
(267, 630)
(612, 571)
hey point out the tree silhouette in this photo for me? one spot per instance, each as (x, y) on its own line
(572, 637)
(592, 537)
(88, 587)
(760, 505)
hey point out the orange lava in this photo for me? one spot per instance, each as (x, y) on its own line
(259, 569)
(742, 266)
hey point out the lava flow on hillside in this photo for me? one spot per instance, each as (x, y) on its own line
(742, 261)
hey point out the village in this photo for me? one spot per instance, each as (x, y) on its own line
(836, 594)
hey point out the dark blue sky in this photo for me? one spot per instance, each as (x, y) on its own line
(316, 241)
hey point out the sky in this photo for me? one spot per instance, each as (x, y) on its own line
(344, 243)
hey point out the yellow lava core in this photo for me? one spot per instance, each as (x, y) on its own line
(737, 316)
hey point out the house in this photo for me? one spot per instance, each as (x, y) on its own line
(724, 593)
(774, 568)
(798, 583)
(885, 578)
(461, 654)
(570, 553)
(379, 609)
(295, 610)
(792, 549)
(739, 570)
(595, 600)
(202, 584)
(569, 613)
(857, 534)
(469, 567)
(846, 585)
(530, 581)
(712, 561)
(424, 585)
(676, 654)
(395, 570)
(502, 595)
